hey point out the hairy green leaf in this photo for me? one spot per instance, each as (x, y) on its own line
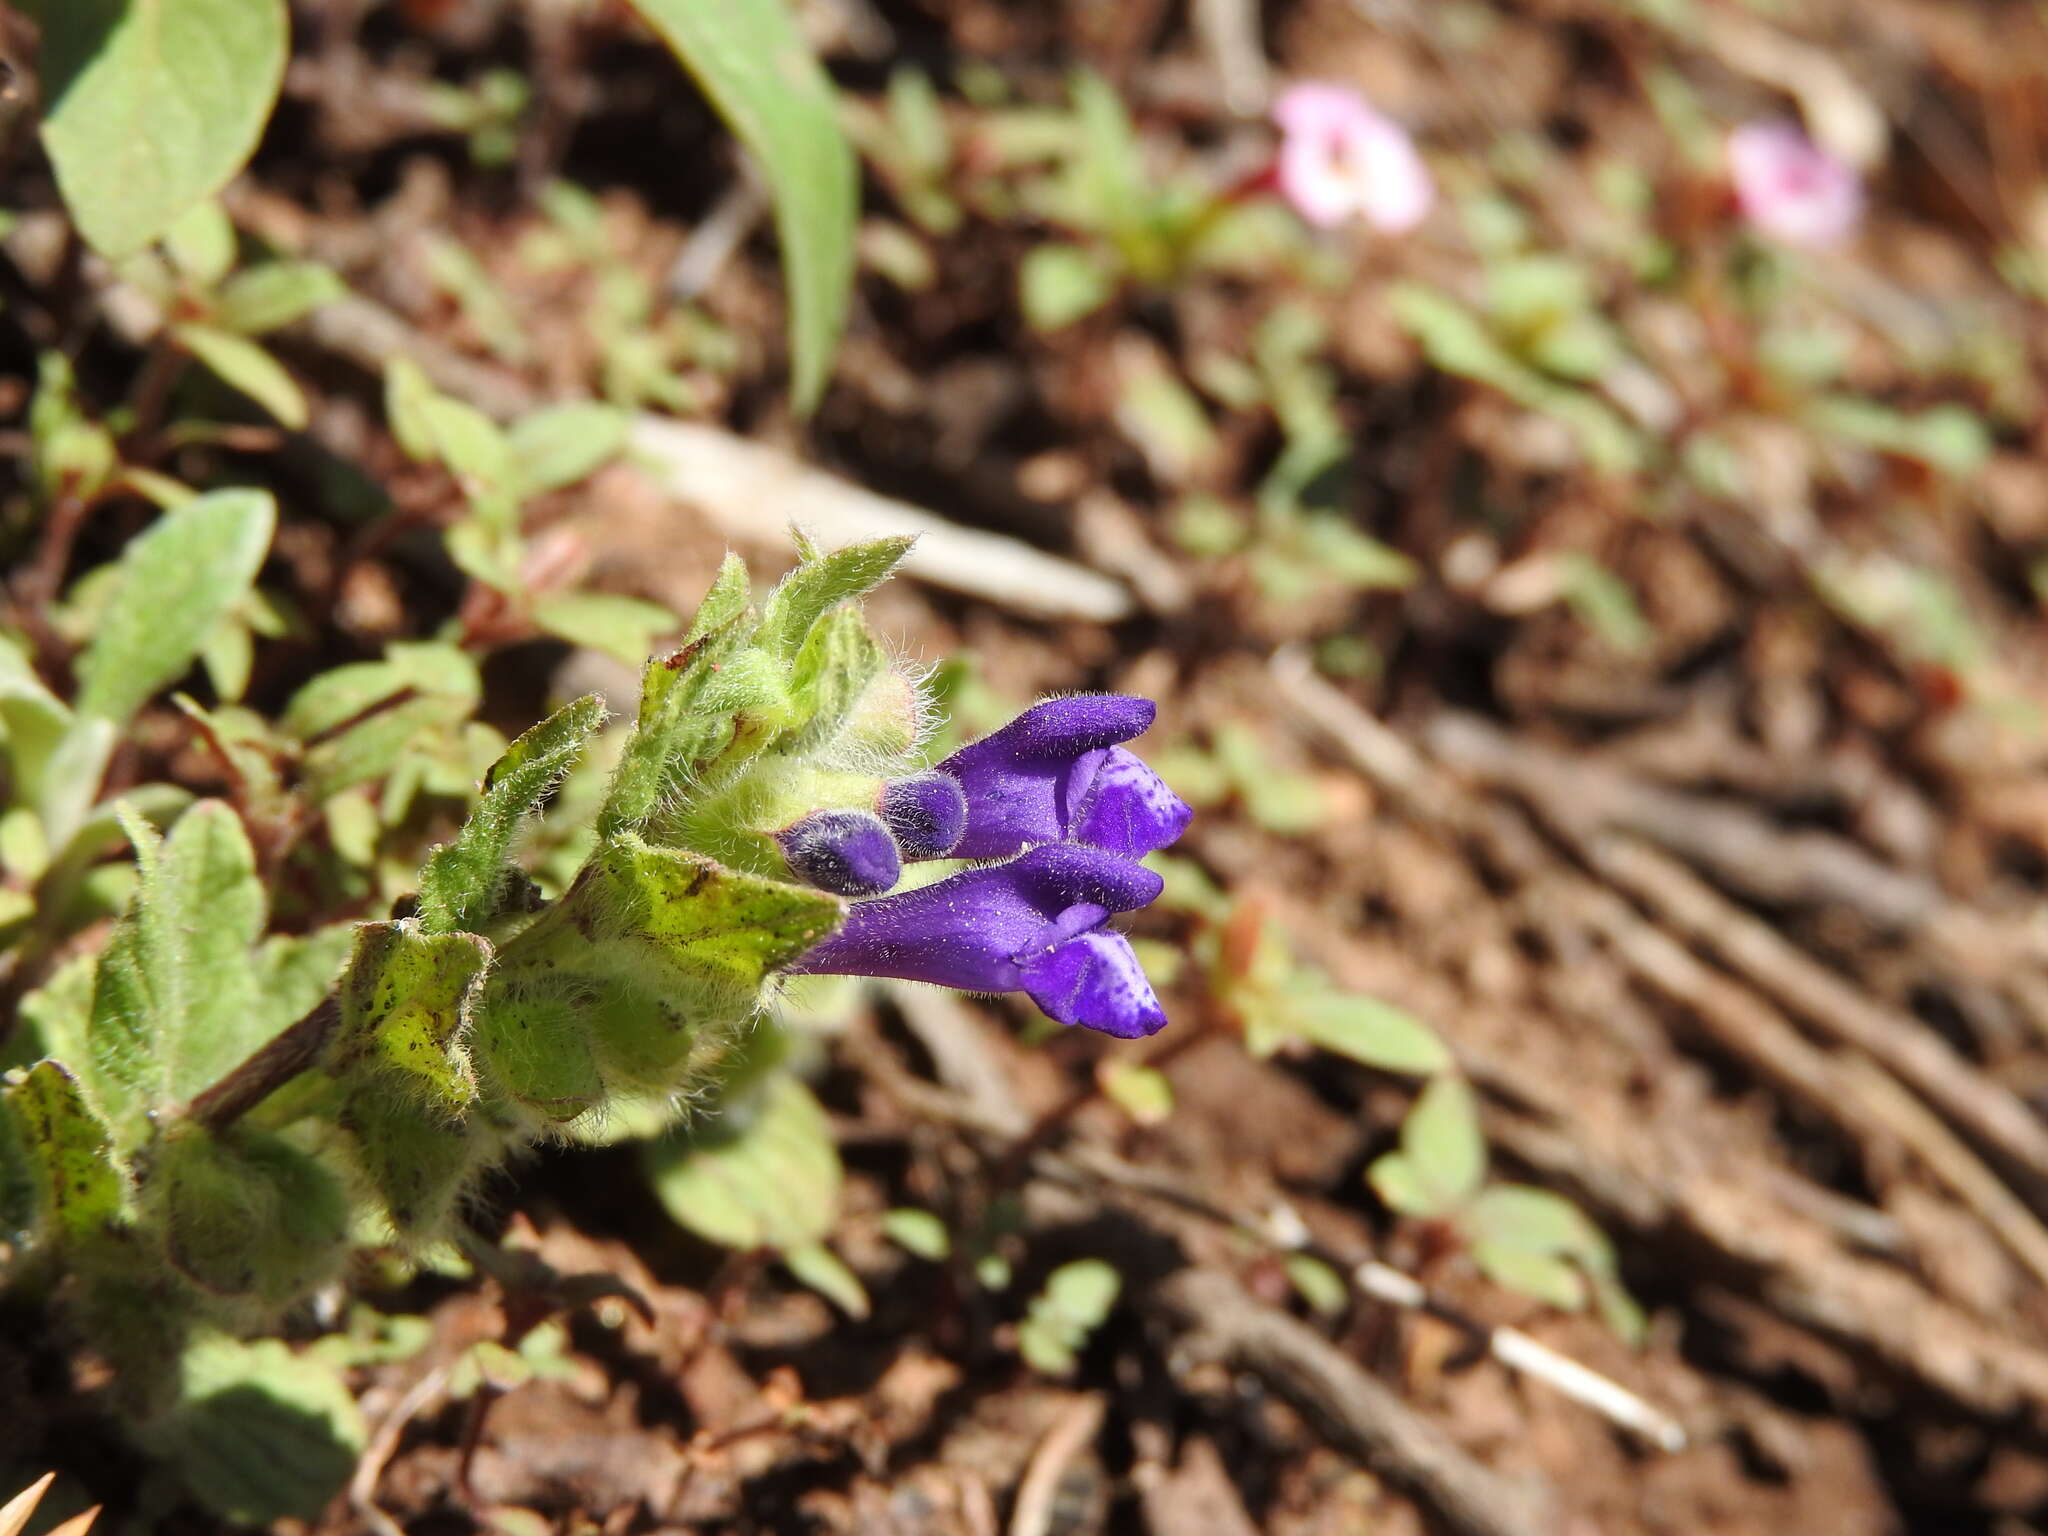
(750, 60)
(175, 1003)
(245, 1213)
(151, 105)
(819, 584)
(463, 882)
(405, 1007)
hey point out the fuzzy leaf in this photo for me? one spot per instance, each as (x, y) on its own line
(405, 1007)
(245, 1213)
(244, 364)
(153, 104)
(259, 1433)
(175, 583)
(750, 60)
(830, 677)
(175, 1003)
(463, 882)
(817, 585)
(764, 1176)
(78, 1185)
(667, 950)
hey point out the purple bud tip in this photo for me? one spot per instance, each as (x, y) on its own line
(848, 853)
(928, 814)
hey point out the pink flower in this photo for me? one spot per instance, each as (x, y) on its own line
(1338, 157)
(1790, 188)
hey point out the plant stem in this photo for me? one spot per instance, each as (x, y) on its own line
(274, 1065)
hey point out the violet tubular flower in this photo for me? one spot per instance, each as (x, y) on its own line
(1034, 925)
(1058, 773)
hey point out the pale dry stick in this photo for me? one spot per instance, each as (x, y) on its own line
(1229, 29)
(1040, 1487)
(751, 492)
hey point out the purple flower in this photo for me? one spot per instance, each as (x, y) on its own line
(927, 814)
(849, 853)
(1790, 188)
(1057, 773)
(1035, 925)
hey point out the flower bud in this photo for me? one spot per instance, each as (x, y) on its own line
(848, 853)
(927, 814)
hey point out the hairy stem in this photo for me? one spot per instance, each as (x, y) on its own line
(276, 1064)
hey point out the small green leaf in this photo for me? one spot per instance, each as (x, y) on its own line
(1541, 1276)
(151, 105)
(274, 295)
(620, 626)
(765, 1175)
(175, 583)
(565, 443)
(750, 60)
(259, 1434)
(1373, 1032)
(201, 241)
(1143, 1093)
(1442, 1140)
(72, 453)
(1320, 1286)
(463, 882)
(1395, 1180)
(826, 1273)
(1060, 284)
(1077, 1300)
(918, 1232)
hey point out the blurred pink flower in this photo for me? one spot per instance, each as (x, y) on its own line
(1790, 188)
(1338, 157)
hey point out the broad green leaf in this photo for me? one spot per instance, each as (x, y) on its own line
(151, 105)
(821, 583)
(1395, 1180)
(620, 626)
(1060, 284)
(78, 1185)
(258, 1433)
(1538, 1221)
(244, 364)
(1373, 1032)
(245, 1213)
(565, 443)
(273, 295)
(1543, 1276)
(175, 1002)
(462, 882)
(826, 1273)
(765, 1175)
(1442, 1139)
(175, 583)
(750, 60)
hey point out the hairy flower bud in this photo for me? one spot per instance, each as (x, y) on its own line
(849, 853)
(927, 814)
